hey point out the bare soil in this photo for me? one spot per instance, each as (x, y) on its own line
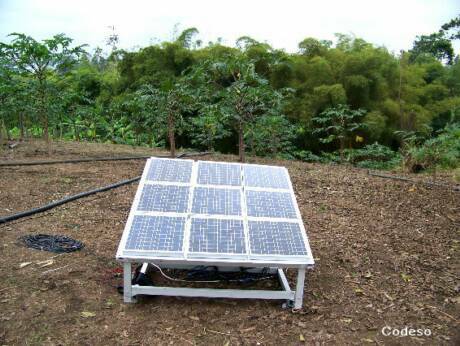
(387, 254)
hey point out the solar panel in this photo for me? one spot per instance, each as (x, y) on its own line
(217, 236)
(276, 238)
(164, 198)
(170, 170)
(216, 201)
(156, 233)
(189, 211)
(270, 204)
(210, 173)
(265, 177)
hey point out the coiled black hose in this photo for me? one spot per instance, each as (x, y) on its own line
(51, 243)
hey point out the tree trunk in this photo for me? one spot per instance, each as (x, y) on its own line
(8, 134)
(241, 142)
(401, 114)
(3, 139)
(47, 135)
(172, 141)
(44, 115)
(21, 126)
(342, 147)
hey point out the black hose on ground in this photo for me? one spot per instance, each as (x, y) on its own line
(122, 158)
(429, 183)
(65, 200)
(53, 162)
(80, 195)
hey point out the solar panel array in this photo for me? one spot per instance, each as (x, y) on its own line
(228, 211)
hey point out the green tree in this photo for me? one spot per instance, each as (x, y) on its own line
(208, 127)
(435, 44)
(167, 106)
(452, 28)
(36, 60)
(339, 123)
(311, 47)
(271, 135)
(243, 95)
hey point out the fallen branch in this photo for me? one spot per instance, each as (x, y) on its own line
(217, 332)
(430, 183)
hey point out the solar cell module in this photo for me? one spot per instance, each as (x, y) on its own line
(215, 213)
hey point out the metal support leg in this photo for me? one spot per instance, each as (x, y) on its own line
(127, 287)
(299, 288)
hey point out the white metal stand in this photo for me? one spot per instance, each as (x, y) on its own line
(293, 297)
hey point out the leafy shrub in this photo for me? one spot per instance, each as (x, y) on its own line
(15, 132)
(374, 156)
(307, 156)
(441, 151)
(270, 135)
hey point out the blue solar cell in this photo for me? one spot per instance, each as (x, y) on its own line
(216, 201)
(219, 174)
(217, 236)
(157, 233)
(170, 170)
(276, 238)
(165, 198)
(270, 204)
(265, 176)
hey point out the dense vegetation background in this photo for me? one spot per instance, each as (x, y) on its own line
(343, 101)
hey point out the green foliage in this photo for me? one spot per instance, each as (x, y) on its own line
(339, 123)
(435, 45)
(373, 156)
(243, 95)
(441, 151)
(167, 106)
(40, 61)
(208, 127)
(452, 26)
(308, 156)
(271, 135)
(304, 105)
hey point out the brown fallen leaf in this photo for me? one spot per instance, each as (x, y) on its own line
(195, 318)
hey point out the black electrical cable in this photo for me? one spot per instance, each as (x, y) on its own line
(80, 195)
(212, 273)
(51, 243)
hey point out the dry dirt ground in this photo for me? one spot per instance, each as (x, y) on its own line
(387, 254)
